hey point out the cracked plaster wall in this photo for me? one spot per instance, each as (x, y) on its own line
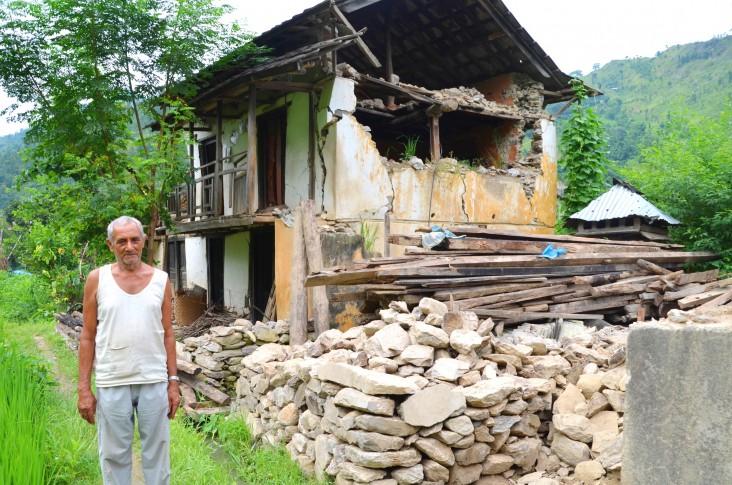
(361, 185)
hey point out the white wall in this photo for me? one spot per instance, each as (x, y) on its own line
(196, 262)
(236, 271)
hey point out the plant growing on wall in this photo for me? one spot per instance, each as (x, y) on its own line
(583, 163)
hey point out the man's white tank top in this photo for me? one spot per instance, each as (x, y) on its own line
(129, 340)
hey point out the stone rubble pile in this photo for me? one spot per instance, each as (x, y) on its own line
(219, 352)
(438, 397)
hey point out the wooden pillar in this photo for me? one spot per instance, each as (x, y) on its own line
(311, 145)
(192, 186)
(389, 66)
(252, 150)
(435, 148)
(387, 231)
(218, 192)
(314, 252)
(298, 293)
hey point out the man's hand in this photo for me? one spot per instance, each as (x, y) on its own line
(173, 398)
(87, 405)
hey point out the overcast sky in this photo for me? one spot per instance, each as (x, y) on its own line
(576, 34)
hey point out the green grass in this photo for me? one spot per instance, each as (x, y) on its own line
(23, 416)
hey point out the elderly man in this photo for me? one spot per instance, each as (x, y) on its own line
(128, 329)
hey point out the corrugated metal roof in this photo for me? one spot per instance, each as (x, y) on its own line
(621, 201)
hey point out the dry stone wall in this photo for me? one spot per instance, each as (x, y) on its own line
(437, 397)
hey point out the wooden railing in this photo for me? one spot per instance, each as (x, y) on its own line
(183, 203)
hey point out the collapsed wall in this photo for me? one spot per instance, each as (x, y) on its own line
(432, 396)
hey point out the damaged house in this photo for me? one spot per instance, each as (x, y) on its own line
(414, 112)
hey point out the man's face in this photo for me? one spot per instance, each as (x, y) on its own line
(127, 244)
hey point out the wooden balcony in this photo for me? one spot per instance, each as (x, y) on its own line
(203, 196)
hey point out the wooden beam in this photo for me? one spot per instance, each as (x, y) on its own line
(206, 389)
(286, 86)
(528, 316)
(359, 42)
(435, 148)
(314, 253)
(298, 294)
(252, 150)
(387, 42)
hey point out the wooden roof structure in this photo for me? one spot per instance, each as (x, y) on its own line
(431, 43)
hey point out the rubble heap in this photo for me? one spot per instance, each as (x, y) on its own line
(432, 396)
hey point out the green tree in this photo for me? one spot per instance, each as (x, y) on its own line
(96, 74)
(687, 172)
(583, 162)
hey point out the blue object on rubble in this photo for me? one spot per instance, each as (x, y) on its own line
(434, 238)
(551, 252)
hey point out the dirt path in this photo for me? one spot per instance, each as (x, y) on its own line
(66, 387)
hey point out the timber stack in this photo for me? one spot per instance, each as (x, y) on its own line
(503, 275)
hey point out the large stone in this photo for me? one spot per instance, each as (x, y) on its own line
(388, 342)
(266, 353)
(386, 425)
(447, 370)
(462, 425)
(570, 451)
(524, 451)
(409, 476)
(405, 458)
(547, 366)
(365, 380)
(574, 426)
(435, 472)
(497, 463)
(589, 471)
(289, 415)
(349, 471)
(589, 384)
(355, 399)
(374, 441)
(429, 306)
(431, 405)
(476, 453)
(419, 355)
(616, 399)
(264, 334)
(490, 392)
(424, 334)
(465, 341)
(612, 456)
(464, 475)
(571, 401)
(436, 450)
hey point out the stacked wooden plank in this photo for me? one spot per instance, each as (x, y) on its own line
(502, 275)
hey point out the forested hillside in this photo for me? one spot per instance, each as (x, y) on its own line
(10, 167)
(641, 93)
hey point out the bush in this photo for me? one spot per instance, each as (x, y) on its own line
(25, 296)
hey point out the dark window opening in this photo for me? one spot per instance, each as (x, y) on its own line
(261, 275)
(469, 138)
(271, 141)
(215, 256)
(176, 265)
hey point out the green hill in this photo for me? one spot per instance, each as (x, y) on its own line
(640, 93)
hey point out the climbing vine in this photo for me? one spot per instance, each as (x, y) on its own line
(584, 160)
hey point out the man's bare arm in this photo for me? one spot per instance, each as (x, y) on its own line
(87, 403)
(170, 354)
